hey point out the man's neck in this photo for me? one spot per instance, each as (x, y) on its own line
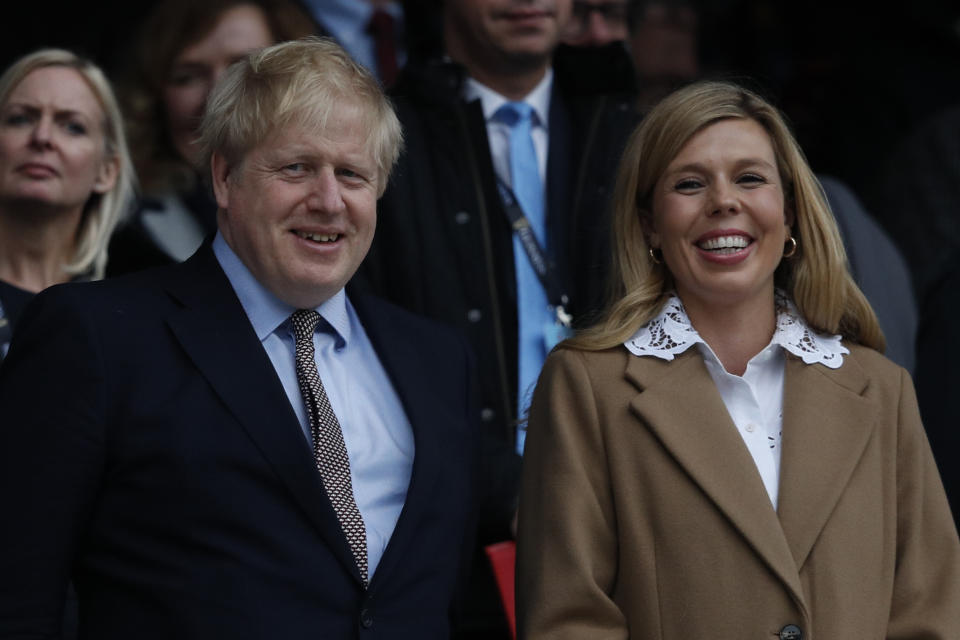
(513, 87)
(513, 78)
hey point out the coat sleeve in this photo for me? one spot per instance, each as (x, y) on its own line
(51, 460)
(926, 594)
(567, 543)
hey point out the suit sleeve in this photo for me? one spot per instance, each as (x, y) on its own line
(51, 457)
(926, 596)
(567, 543)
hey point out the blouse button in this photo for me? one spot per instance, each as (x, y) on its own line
(751, 427)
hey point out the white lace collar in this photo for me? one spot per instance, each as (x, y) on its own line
(670, 333)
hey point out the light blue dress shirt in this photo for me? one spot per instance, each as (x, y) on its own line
(347, 21)
(376, 432)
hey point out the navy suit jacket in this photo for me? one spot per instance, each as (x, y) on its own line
(148, 451)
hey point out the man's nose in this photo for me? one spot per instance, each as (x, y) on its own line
(325, 194)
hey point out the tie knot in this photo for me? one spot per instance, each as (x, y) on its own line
(513, 113)
(304, 322)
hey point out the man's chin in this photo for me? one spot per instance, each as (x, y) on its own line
(526, 59)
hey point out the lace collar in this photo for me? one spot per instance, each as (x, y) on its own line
(670, 333)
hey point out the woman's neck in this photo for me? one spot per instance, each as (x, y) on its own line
(735, 332)
(34, 247)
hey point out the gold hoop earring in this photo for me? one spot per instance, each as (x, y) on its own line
(653, 256)
(793, 248)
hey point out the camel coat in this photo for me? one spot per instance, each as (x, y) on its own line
(643, 515)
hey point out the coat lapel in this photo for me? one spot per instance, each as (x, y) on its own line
(826, 426)
(214, 331)
(680, 404)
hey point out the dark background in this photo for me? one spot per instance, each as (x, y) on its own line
(853, 79)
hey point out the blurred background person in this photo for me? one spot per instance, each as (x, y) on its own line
(663, 42)
(938, 377)
(726, 453)
(66, 178)
(372, 31)
(594, 23)
(184, 48)
(497, 111)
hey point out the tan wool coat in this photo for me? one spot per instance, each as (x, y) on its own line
(643, 515)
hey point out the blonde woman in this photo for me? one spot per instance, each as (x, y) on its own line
(726, 453)
(65, 175)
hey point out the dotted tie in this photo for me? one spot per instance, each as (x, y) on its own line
(328, 448)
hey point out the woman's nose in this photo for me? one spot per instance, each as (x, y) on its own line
(42, 134)
(724, 199)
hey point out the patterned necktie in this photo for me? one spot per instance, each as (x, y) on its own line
(533, 309)
(328, 448)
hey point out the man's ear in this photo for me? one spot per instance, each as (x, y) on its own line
(219, 175)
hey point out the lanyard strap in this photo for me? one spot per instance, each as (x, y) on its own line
(544, 269)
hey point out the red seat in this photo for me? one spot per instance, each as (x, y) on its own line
(503, 557)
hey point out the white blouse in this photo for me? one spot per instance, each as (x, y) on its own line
(754, 400)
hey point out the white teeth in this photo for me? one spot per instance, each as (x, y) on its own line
(724, 242)
(318, 237)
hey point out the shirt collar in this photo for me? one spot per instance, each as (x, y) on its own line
(267, 312)
(671, 333)
(491, 101)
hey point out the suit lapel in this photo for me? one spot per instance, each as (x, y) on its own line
(214, 331)
(405, 365)
(680, 404)
(826, 425)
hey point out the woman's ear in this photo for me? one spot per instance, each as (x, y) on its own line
(107, 175)
(648, 228)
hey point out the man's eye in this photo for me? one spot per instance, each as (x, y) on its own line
(348, 173)
(295, 167)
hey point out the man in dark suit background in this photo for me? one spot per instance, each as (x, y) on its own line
(167, 439)
(502, 104)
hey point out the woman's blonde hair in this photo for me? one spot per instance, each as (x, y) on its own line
(102, 212)
(816, 276)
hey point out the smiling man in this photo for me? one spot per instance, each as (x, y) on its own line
(234, 447)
